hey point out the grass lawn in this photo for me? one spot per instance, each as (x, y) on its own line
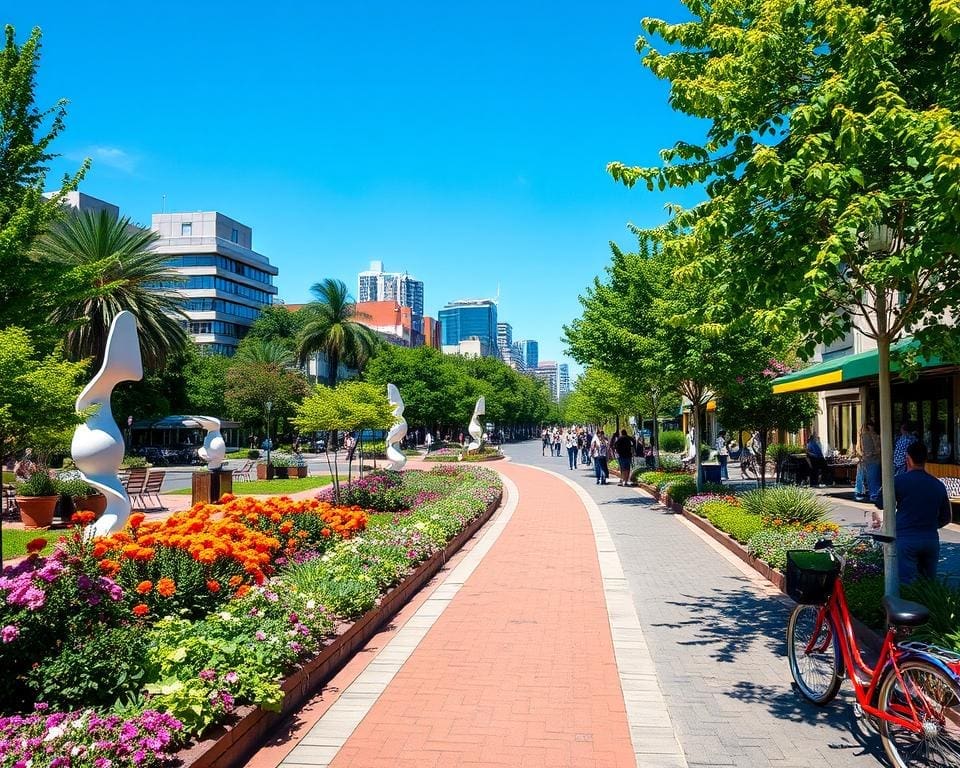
(272, 487)
(8, 476)
(15, 540)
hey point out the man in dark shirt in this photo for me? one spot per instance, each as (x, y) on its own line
(922, 508)
(623, 446)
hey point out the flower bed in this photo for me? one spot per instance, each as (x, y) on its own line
(461, 454)
(208, 610)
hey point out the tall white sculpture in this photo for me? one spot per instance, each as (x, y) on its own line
(97, 446)
(214, 449)
(398, 431)
(475, 429)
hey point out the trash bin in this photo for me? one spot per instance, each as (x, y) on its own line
(711, 473)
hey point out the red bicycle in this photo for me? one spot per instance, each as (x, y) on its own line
(913, 691)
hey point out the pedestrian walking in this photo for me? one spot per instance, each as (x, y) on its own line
(623, 448)
(557, 441)
(428, 441)
(598, 452)
(723, 453)
(545, 437)
(570, 442)
(906, 439)
(587, 441)
(923, 507)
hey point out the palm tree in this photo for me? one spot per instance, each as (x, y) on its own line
(268, 352)
(111, 268)
(332, 328)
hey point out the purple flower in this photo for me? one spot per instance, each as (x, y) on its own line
(102, 762)
(208, 674)
(231, 677)
(9, 633)
(260, 635)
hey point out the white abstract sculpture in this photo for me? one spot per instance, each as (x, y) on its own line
(475, 430)
(214, 449)
(97, 446)
(398, 431)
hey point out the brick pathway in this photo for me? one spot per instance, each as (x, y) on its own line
(516, 665)
(717, 636)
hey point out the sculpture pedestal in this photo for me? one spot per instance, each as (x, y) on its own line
(208, 487)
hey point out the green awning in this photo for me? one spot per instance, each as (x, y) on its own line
(847, 370)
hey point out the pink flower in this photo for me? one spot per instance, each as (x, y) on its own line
(9, 633)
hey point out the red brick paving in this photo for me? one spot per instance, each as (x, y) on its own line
(519, 670)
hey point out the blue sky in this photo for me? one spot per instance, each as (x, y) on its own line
(466, 145)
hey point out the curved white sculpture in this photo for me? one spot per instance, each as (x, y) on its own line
(398, 431)
(97, 447)
(475, 429)
(214, 449)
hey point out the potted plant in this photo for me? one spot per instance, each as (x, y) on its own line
(281, 467)
(37, 499)
(84, 495)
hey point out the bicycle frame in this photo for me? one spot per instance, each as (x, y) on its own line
(836, 609)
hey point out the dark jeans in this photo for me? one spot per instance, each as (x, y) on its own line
(572, 457)
(917, 556)
(722, 461)
(556, 449)
(544, 451)
(600, 471)
(819, 470)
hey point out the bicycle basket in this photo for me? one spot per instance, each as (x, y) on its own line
(810, 575)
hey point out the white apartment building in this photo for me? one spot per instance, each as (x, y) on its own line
(227, 282)
(376, 285)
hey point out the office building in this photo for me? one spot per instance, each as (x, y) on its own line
(504, 335)
(83, 203)
(227, 282)
(547, 373)
(394, 322)
(469, 320)
(376, 285)
(531, 353)
(563, 380)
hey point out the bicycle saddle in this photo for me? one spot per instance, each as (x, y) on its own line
(903, 613)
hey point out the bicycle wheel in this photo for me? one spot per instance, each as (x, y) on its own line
(936, 699)
(818, 673)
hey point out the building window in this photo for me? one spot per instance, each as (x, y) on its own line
(186, 229)
(234, 236)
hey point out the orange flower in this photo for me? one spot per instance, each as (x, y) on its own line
(83, 517)
(140, 609)
(109, 567)
(227, 498)
(325, 532)
(144, 587)
(35, 545)
(135, 520)
(213, 585)
(286, 526)
(235, 581)
(241, 590)
(100, 549)
(166, 587)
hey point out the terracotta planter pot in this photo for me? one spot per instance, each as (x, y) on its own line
(37, 511)
(265, 472)
(296, 471)
(95, 503)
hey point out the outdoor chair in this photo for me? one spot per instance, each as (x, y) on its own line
(151, 490)
(133, 485)
(10, 499)
(243, 474)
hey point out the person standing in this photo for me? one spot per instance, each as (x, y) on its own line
(623, 446)
(545, 437)
(906, 439)
(923, 507)
(598, 452)
(428, 441)
(818, 464)
(557, 441)
(869, 450)
(587, 442)
(723, 453)
(570, 441)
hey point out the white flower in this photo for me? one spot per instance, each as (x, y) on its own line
(311, 604)
(226, 615)
(54, 733)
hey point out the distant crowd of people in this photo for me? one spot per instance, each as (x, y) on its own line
(584, 447)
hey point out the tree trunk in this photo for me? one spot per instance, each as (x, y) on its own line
(763, 458)
(891, 569)
(699, 419)
(655, 433)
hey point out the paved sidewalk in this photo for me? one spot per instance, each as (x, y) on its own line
(515, 664)
(717, 635)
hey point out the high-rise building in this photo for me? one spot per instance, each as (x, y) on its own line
(469, 320)
(227, 282)
(376, 285)
(504, 335)
(547, 372)
(531, 353)
(394, 322)
(563, 380)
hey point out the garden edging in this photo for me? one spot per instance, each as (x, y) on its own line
(231, 745)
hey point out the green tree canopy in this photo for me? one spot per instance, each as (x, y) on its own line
(111, 267)
(26, 135)
(37, 396)
(331, 327)
(250, 386)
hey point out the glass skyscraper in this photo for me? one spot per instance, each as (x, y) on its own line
(469, 319)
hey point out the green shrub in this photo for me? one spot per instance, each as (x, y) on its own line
(864, 598)
(670, 463)
(943, 629)
(732, 519)
(785, 505)
(75, 487)
(92, 671)
(38, 484)
(673, 441)
(134, 462)
(777, 451)
(680, 489)
(657, 478)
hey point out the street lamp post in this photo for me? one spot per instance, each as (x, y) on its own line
(269, 442)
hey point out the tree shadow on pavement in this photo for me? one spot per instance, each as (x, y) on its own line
(732, 618)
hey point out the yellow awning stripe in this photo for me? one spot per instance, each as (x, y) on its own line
(809, 383)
